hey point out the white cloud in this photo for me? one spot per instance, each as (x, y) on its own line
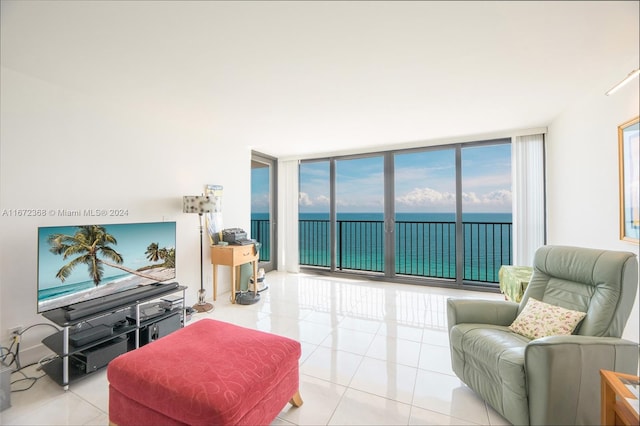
(322, 200)
(303, 199)
(432, 197)
(426, 196)
(500, 197)
(470, 198)
(260, 201)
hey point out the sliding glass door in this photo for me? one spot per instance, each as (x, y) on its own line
(314, 218)
(359, 209)
(263, 208)
(437, 214)
(486, 210)
(425, 213)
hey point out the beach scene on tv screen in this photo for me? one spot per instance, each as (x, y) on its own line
(80, 263)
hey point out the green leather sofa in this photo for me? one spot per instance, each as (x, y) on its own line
(553, 380)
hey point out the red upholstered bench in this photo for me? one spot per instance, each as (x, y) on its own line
(207, 373)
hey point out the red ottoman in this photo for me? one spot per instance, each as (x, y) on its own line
(208, 373)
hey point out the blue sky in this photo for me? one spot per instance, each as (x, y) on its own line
(424, 182)
(260, 190)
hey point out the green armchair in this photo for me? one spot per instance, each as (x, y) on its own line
(552, 380)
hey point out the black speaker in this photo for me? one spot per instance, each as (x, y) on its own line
(159, 329)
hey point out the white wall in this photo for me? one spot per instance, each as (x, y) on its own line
(61, 149)
(582, 176)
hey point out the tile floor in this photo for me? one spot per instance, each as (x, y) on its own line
(373, 353)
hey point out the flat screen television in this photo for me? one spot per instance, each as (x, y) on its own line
(85, 262)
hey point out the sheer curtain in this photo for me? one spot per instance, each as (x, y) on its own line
(288, 258)
(527, 154)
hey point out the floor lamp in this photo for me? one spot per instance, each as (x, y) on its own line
(199, 204)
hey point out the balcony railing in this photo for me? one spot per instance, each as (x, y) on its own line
(487, 246)
(424, 249)
(260, 231)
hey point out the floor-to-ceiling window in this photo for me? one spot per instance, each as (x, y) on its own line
(263, 205)
(440, 214)
(486, 210)
(425, 213)
(359, 197)
(314, 206)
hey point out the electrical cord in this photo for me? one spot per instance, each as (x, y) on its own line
(25, 378)
(39, 324)
(15, 358)
(9, 350)
(17, 338)
(44, 360)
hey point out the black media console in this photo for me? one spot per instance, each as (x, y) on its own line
(93, 333)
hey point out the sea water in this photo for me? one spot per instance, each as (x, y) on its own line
(425, 243)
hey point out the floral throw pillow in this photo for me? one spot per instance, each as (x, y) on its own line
(539, 319)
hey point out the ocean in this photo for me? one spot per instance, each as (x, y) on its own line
(63, 290)
(425, 243)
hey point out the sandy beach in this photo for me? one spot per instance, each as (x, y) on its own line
(162, 274)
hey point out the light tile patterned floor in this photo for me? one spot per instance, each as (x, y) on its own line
(373, 353)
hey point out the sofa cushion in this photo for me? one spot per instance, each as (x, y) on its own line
(539, 319)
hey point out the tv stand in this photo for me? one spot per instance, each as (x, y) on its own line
(103, 331)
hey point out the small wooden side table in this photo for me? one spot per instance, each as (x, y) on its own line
(615, 409)
(233, 256)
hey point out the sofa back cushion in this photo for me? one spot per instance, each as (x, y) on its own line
(601, 283)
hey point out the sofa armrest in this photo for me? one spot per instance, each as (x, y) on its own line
(478, 311)
(563, 375)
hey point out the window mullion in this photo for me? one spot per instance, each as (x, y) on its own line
(459, 226)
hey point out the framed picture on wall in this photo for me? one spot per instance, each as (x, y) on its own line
(629, 165)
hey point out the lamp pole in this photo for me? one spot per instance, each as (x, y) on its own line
(202, 305)
(199, 204)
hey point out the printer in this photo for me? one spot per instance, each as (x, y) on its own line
(236, 236)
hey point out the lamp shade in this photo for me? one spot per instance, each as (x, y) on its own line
(196, 204)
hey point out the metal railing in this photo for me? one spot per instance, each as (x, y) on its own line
(487, 246)
(424, 249)
(260, 231)
(314, 241)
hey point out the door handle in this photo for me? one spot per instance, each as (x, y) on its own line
(389, 225)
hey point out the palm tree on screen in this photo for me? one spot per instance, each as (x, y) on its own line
(91, 245)
(153, 252)
(169, 257)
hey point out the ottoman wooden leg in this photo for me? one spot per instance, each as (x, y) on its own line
(296, 400)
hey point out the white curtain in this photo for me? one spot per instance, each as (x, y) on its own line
(288, 259)
(527, 155)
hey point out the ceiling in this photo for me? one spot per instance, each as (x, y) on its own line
(302, 79)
